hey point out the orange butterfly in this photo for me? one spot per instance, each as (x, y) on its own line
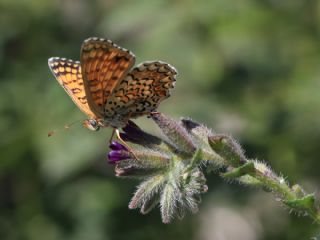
(106, 87)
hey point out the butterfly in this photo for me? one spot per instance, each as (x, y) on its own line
(105, 86)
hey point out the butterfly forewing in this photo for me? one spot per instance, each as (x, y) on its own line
(104, 65)
(142, 90)
(68, 74)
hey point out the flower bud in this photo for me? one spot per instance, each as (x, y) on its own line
(227, 148)
(175, 132)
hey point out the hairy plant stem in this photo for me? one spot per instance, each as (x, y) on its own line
(282, 189)
(239, 168)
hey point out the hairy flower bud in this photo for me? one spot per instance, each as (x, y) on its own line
(175, 132)
(227, 148)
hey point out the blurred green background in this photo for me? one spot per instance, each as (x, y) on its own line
(249, 68)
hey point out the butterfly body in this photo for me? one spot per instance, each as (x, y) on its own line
(107, 89)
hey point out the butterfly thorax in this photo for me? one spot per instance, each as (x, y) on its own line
(117, 121)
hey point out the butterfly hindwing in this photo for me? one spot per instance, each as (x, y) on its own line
(104, 65)
(142, 90)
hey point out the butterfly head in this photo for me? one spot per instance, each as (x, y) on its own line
(91, 124)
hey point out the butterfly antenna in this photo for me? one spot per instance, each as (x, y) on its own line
(65, 127)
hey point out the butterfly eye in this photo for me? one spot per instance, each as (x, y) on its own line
(91, 124)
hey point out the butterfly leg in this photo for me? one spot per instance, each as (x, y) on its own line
(112, 135)
(116, 131)
(152, 113)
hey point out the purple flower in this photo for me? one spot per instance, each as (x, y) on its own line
(118, 152)
(132, 133)
(117, 146)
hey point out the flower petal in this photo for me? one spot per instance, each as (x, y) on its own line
(134, 134)
(117, 146)
(115, 156)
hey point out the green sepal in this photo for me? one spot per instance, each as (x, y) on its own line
(252, 181)
(240, 171)
(306, 202)
(195, 161)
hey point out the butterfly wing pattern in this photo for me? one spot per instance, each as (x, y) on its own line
(68, 74)
(105, 87)
(104, 65)
(142, 90)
